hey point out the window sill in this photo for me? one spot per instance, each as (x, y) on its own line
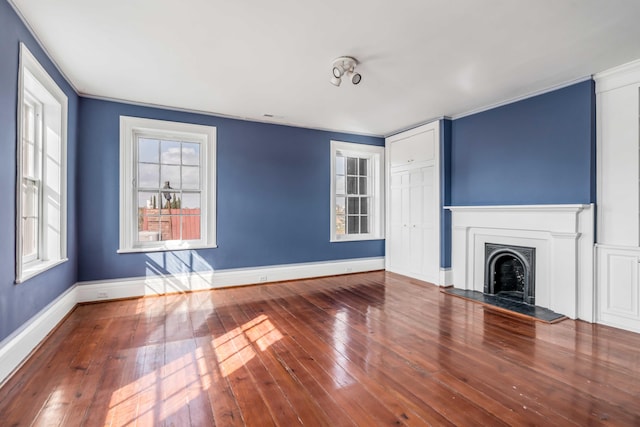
(37, 267)
(166, 248)
(355, 239)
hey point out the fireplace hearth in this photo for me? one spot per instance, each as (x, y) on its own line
(510, 272)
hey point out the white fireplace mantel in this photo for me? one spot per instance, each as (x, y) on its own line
(563, 236)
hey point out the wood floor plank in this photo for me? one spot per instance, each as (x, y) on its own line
(263, 334)
(550, 382)
(49, 369)
(215, 387)
(389, 368)
(323, 345)
(364, 349)
(517, 396)
(232, 359)
(296, 363)
(360, 405)
(119, 360)
(279, 406)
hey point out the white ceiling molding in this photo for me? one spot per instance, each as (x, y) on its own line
(421, 59)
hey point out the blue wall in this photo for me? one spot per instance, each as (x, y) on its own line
(20, 302)
(445, 193)
(540, 150)
(273, 196)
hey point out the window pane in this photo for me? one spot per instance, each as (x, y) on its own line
(340, 217)
(364, 224)
(191, 227)
(148, 150)
(190, 154)
(30, 219)
(353, 224)
(363, 186)
(191, 177)
(352, 166)
(353, 205)
(28, 142)
(352, 185)
(148, 200)
(170, 152)
(364, 205)
(362, 170)
(29, 237)
(170, 200)
(148, 228)
(190, 201)
(148, 209)
(170, 227)
(340, 225)
(148, 175)
(170, 176)
(29, 198)
(28, 159)
(340, 180)
(28, 129)
(339, 165)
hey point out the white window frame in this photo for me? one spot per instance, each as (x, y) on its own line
(36, 87)
(130, 129)
(375, 155)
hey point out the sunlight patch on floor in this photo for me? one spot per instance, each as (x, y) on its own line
(234, 348)
(190, 373)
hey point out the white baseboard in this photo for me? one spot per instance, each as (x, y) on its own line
(196, 281)
(16, 348)
(446, 276)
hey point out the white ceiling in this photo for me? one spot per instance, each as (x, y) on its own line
(420, 59)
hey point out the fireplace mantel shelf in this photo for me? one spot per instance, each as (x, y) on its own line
(502, 208)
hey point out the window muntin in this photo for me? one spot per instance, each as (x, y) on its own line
(352, 196)
(31, 160)
(170, 202)
(357, 191)
(168, 189)
(41, 164)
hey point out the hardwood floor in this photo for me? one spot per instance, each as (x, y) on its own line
(364, 349)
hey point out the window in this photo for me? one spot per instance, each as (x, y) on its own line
(357, 191)
(41, 170)
(167, 185)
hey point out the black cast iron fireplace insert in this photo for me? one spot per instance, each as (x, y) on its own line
(510, 272)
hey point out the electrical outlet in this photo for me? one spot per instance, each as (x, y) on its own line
(263, 278)
(349, 270)
(102, 295)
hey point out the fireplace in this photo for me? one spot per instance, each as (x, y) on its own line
(510, 272)
(562, 236)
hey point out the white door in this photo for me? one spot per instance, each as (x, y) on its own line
(413, 239)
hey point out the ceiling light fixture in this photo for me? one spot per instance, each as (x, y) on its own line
(345, 65)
